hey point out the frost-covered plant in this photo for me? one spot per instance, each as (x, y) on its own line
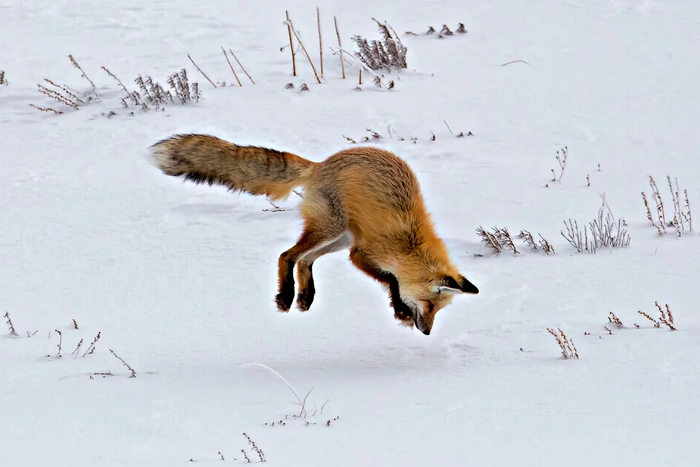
(601, 232)
(388, 53)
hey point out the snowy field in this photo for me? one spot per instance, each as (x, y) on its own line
(179, 279)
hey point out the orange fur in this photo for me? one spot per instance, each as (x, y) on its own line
(364, 199)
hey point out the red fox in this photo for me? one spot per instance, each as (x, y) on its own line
(363, 199)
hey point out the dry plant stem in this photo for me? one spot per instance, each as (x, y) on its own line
(83, 72)
(229, 64)
(448, 127)
(46, 109)
(660, 212)
(568, 349)
(117, 79)
(664, 319)
(258, 451)
(9, 324)
(241, 65)
(656, 323)
(57, 96)
(360, 76)
(646, 204)
(60, 342)
(291, 45)
(133, 373)
(320, 39)
(342, 62)
(308, 57)
(615, 320)
(75, 352)
(670, 315)
(291, 388)
(200, 70)
(91, 347)
(688, 216)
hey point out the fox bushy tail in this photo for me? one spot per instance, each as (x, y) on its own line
(251, 169)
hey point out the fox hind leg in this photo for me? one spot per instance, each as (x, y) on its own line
(305, 277)
(312, 241)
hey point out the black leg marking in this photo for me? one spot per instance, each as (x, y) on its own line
(402, 311)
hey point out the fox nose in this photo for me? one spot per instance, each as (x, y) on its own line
(426, 332)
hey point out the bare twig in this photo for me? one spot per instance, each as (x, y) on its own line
(308, 57)
(320, 38)
(133, 373)
(13, 332)
(342, 62)
(241, 65)
(291, 45)
(568, 349)
(75, 63)
(46, 109)
(448, 127)
(229, 64)
(200, 70)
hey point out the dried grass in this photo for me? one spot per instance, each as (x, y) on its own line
(604, 231)
(386, 54)
(568, 349)
(682, 221)
(11, 326)
(541, 245)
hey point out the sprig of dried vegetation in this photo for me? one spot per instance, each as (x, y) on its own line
(615, 320)
(254, 446)
(665, 317)
(11, 326)
(568, 349)
(77, 348)
(542, 243)
(561, 160)
(133, 372)
(682, 220)
(500, 238)
(200, 70)
(445, 31)
(604, 232)
(3, 80)
(491, 240)
(340, 46)
(84, 75)
(241, 65)
(60, 343)
(235, 75)
(389, 53)
(91, 348)
(65, 95)
(290, 27)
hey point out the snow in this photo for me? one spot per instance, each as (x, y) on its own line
(180, 279)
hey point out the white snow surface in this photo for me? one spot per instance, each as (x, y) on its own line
(180, 279)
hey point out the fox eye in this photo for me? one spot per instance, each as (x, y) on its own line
(429, 306)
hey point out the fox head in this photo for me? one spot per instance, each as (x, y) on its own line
(420, 301)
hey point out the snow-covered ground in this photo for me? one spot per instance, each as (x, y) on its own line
(180, 279)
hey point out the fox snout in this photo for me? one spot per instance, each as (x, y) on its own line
(422, 325)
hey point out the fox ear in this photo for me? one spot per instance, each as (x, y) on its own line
(460, 284)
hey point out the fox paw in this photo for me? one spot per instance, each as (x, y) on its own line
(304, 301)
(283, 301)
